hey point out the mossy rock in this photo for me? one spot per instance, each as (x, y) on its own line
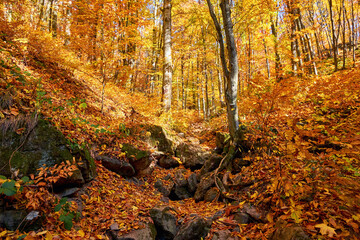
(41, 145)
(159, 139)
(138, 158)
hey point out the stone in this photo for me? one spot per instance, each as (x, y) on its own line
(138, 158)
(42, 145)
(168, 162)
(211, 195)
(211, 164)
(180, 179)
(251, 211)
(159, 139)
(206, 182)
(179, 193)
(192, 183)
(222, 235)
(147, 233)
(242, 218)
(217, 215)
(192, 156)
(20, 219)
(195, 229)
(118, 166)
(286, 231)
(165, 222)
(165, 189)
(68, 192)
(221, 140)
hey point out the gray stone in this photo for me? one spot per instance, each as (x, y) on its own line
(165, 222)
(164, 189)
(180, 193)
(211, 164)
(206, 182)
(68, 192)
(19, 219)
(118, 166)
(241, 218)
(252, 211)
(192, 156)
(285, 232)
(168, 162)
(159, 139)
(222, 235)
(195, 229)
(42, 144)
(211, 195)
(138, 158)
(180, 179)
(147, 233)
(192, 183)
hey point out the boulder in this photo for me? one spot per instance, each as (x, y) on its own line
(163, 188)
(192, 183)
(252, 212)
(147, 233)
(159, 139)
(206, 182)
(192, 156)
(180, 179)
(118, 166)
(222, 235)
(165, 222)
(20, 219)
(168, 162)
(211, 195)
(211, 164)
(242, 218)
(221, 140)
(41, 144)
(179, 193)
(286, 231)
(195, 229)
(138, 158)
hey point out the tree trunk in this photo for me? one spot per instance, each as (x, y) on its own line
(231, 71)
(334, 39)
(276, 46)
(344, 33)
(353, 32)
(167, 71)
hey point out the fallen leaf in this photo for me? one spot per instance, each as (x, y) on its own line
(326, 230)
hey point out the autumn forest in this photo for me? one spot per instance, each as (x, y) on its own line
(179, 119)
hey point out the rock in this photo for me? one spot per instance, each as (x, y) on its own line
(211, 195)
(118, 166)
(163, 188)
(68, 192)
(20, 219)
(147, 233)
(251, 211)
(165, 222)
(180, 179)
(42, 145)
(195, 229)
(159, 139)
(168, 162)
(192, 183)
(211, 164)
(285, 231)
(85, 163)
(222, 235)
(242, 218)
(206, 182)
(192, 156)
(217, 215)
(221, 140)
(179, 193)
(139, 159)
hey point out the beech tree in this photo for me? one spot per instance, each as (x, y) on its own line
(167, 70)
(230, 70)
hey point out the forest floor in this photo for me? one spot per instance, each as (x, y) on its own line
(305, 171)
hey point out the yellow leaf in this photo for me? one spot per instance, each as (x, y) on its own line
(41, 233)
(3, 233)
(326, 230)
(81, 233)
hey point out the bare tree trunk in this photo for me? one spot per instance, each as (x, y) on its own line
(277, 55)
(167, 71)
(231, 71)
(344, 34)
(334, 38)
(353, 32)
(220, 83)
(267, 59)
